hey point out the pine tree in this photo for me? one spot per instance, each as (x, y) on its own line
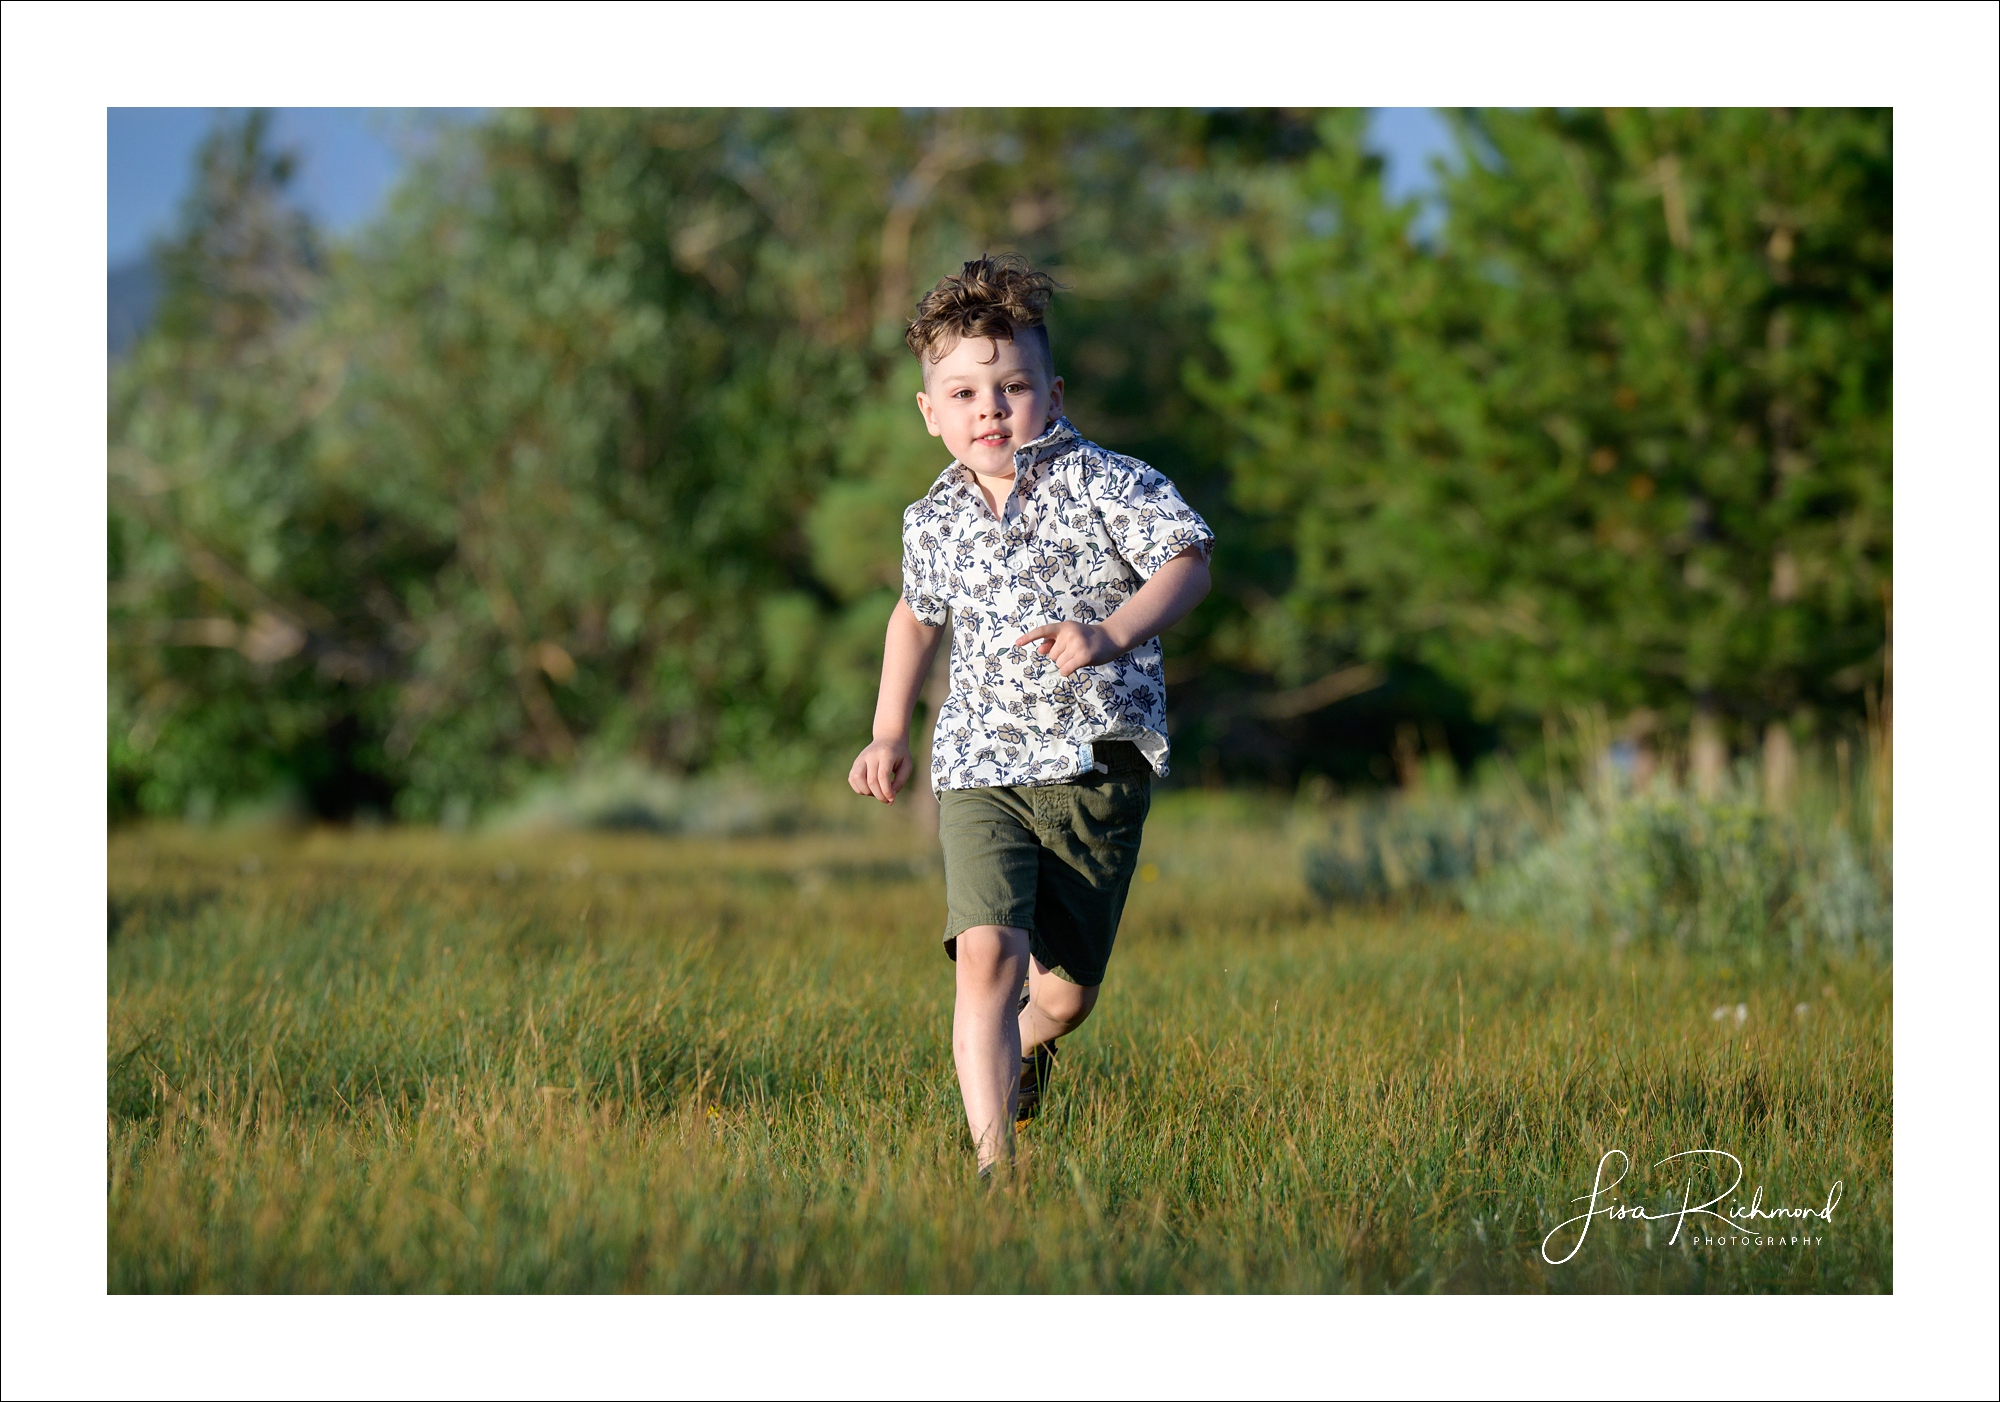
(1620, 436)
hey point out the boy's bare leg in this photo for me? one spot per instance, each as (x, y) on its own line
(1055, 1007)
(985, 1036)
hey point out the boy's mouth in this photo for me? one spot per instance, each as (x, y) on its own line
(994, 439)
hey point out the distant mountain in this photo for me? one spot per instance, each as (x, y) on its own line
(135, 291)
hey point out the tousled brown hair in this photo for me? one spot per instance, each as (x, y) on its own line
(990, 298)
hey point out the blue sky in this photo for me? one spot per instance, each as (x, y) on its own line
(352, 156)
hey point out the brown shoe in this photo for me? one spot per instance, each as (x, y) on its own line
(1035, 1069)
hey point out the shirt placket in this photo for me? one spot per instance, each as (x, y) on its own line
(1008, 553)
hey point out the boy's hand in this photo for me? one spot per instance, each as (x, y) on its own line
(881, 770)
(1072, 645)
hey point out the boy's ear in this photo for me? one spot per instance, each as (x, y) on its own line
(924, 408)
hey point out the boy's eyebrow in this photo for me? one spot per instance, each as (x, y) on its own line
(962, 376)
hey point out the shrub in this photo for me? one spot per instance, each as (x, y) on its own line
(1664, 868)
(626, 796)
(1395, 847)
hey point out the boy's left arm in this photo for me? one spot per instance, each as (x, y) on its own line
(1162, 601)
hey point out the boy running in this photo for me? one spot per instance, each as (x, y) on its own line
(1059, 564)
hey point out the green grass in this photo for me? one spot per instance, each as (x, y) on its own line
(401, 1061)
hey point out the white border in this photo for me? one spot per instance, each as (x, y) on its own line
(64, 65)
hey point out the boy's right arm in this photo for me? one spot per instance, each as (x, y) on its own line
(885, 766)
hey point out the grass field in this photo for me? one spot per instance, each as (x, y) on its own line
(405, 1061)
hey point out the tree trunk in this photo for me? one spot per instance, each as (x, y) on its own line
(1708, 757)
(1781, 767)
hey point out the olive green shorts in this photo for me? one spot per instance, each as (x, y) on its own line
(1053, 859)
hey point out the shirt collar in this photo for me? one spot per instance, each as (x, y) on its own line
(1058, 435)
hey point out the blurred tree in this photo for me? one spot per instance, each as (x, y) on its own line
(242, 585)
(598, 441)
(645, 372)
(1622, 435)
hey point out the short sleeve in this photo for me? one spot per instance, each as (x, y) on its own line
(1149, 521)
(923, 566)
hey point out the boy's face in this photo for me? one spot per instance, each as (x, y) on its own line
(987, 398)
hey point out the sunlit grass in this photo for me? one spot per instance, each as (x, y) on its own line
(404, 1061)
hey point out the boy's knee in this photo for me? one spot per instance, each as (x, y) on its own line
(1062, 1001)
(986, 950)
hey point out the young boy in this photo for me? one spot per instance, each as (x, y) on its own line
(1058, 564)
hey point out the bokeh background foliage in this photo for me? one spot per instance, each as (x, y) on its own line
(593, 445)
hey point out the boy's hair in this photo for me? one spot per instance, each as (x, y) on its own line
(999, 299)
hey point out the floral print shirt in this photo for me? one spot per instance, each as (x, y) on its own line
(1081, 530)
